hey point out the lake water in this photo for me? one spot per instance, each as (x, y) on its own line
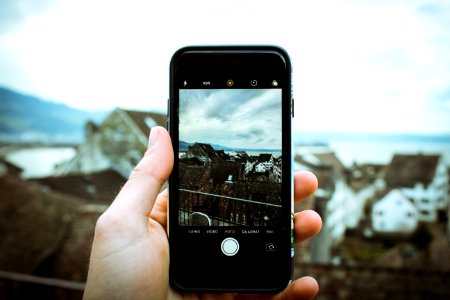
(379, 150)
(40, 161)
(382, 152)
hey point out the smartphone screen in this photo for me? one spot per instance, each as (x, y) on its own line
(230, 210)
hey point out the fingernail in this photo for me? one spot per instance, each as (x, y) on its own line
(154, 136)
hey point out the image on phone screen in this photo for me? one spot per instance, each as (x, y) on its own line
(230, 157)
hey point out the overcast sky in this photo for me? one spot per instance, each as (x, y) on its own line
(239, 118)
(359, 65)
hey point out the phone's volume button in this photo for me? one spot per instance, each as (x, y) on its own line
(292, 107)
(168, 114)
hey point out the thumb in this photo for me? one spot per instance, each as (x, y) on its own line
(140, 191)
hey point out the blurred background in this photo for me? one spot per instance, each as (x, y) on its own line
(83, 82)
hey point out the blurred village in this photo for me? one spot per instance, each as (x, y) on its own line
(386, 227)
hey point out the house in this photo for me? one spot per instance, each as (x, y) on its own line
(330, 201)
(264, 163)
(266, 159)
(45, 232)
(8, 168)
(277, 169)
(242, 155)
(364, 180)
(422, 178)
(394, 214)
(99, 187)
(249, 166)
(205, 153)
(260, 168)
(118, 143)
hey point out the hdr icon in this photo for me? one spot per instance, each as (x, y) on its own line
(206, 83)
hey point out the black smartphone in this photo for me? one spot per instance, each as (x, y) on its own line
(231, 188)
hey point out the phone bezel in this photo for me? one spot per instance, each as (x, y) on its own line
(199, 54)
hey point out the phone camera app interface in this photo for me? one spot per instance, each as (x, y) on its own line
(230, 157)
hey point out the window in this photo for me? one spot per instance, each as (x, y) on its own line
(119, 134)
(150, 122)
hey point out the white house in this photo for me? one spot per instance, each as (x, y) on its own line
(364, 181)
(266, 160)
(277, 169)
(422, 178)
(118, 143)
(260, 168)
(394, 214)
(330, 201)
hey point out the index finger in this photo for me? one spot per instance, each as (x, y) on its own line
(305, 184)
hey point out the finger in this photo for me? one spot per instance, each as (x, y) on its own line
(307, 223)
(305, 184)
(140, 191)
(303, 288)
(159, 211)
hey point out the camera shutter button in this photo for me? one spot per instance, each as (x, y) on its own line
(230, 246)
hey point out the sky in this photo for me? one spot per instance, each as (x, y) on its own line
(237, 118)
(380, 66)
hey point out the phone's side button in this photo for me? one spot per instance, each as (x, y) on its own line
(292, 107)
(168, 114)
(229, 246)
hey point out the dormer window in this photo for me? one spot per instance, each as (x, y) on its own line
(150, 122)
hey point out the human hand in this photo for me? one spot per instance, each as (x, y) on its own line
(130, 252)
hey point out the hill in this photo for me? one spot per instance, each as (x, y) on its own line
(25, 118)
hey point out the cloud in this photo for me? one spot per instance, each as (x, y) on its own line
(13, 12)
(354, 61)
(224, 104)
(240, 118)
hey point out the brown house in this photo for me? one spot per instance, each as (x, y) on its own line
(43, 232)
(99, 187)
(406, 170)
(423, 179)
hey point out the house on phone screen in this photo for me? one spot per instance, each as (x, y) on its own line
(266, 159)
(422, 178)
(206, 153)
(118, 143)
